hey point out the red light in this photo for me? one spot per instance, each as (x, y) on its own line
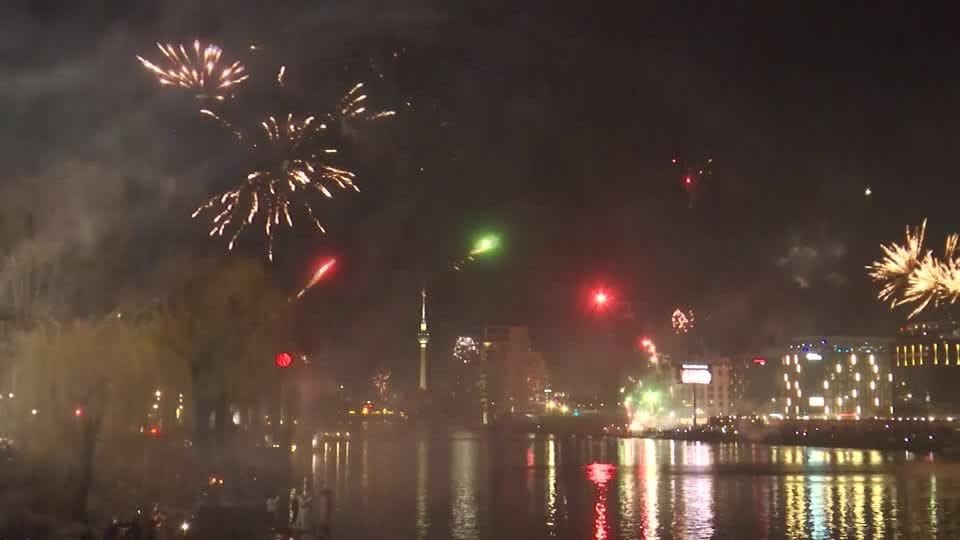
(600, 473)
(674, 161)
(283, 360)
(760, 361)
(600, 298)
(78, 412)
(154, 431)
(688, 180)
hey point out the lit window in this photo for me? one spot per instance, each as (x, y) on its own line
(854, 392)
(839, 369)
(853, 359)
(839, 400)
(799, 394)
(858, 409)
(873, 385)
(826, 385)
(789, 402)
(788, 385)
(798, 368)
(870, 359)
(876, 402)
(876, 368)
(786, 377)
(856, 376)
(889, 377)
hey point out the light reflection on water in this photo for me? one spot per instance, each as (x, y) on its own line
(466, 486)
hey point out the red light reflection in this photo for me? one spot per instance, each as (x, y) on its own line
(600, 474)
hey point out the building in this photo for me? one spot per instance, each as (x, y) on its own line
(516, 374)
(753, 384)
(927, 369)
(836, 377)
(715, 398)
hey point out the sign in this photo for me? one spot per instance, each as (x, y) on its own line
(283, 360)
(816, 401)
(812, 356)
(695, 374)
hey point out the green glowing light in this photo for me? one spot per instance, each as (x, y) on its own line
(485, 244)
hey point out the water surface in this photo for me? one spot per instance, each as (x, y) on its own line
(468, 486)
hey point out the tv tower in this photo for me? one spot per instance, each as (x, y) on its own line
(423, 337)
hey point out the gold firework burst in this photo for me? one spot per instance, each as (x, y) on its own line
(298, 166)
(197, 68)
(899, 262)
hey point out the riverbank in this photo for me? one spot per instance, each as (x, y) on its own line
(876, 434)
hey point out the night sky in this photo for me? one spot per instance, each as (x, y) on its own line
(553, 123)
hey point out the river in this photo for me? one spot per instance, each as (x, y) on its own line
(468, 486)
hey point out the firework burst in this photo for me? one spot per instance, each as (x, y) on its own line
(296, 167)
(909, 275)
(197, 68)
(291, 154)
(682, 321)
(899, 262)
(381, 381)
(934, 281)
(692, 175)
(466, 349)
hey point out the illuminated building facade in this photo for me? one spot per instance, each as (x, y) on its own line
(836, 377)
(927, 369)
(516, 374)
(716, 398)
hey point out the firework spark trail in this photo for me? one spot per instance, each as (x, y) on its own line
(317, 276)
(197, 68)
(353, 105)
(297, 163)
(933, 281)
(682, 322)
(299, 167)
(900, 261)
(381, 381)
(648, 345)
(910, 275)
